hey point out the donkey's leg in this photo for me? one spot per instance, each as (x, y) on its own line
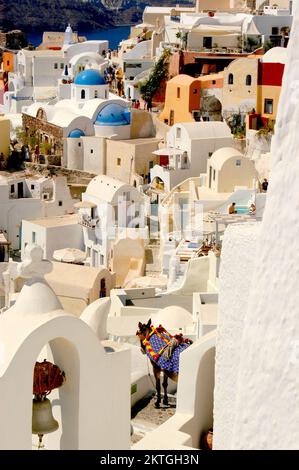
(165, 384)
(157, 373)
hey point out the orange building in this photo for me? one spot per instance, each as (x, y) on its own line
(187, 99)
(8, 61)
(182, 100)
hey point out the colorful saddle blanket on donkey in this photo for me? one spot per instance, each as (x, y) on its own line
(157, 343)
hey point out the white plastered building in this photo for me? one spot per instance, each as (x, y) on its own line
(28, 198)
(189, 146)
(110, 212)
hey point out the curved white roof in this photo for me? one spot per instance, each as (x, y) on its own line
(106, 188)
(173, 317)
(206, 129)
(91, 55)
(64, 112)
(275, 55)
(221, 156)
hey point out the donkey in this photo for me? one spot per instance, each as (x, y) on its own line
(166, 363)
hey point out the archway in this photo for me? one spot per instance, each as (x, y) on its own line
(85, 423)
(158, 183)
(211, 108)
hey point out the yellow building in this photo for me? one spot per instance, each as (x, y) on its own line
(240, 79)
(4, 136)
(270, 75)
(181, 100)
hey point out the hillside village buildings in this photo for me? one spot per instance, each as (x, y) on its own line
(24, 197)
(170, 223)
(189, 146)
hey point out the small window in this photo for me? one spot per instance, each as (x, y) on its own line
(8, 63)
(230, 80)
(91, 150)
(178, 93)
(275, 30)
(96, 93)
(248, 80)
(12, 188)
(60, 203)
(213, 82)
(79, 144)
(210, 154)
(207, 42)
(32, 186)
(214, 175)
(151, 164)
(178, 133)
(33, 237)
(61, 66)
(118, 161)
(238, 162)
(268, 106)
(55, 66)
(82, 94)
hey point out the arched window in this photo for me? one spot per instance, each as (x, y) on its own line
(230, 79)
(248, 80)
(82, 94)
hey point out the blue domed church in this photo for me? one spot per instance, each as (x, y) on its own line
(89, 84)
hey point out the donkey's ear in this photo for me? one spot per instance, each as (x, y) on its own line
(149, 323)
(140, 325)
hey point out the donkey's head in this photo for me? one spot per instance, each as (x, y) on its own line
(143, 330)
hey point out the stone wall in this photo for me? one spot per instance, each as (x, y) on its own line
(73, 176)
(40, 126)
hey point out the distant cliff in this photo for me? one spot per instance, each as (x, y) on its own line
(51, 15)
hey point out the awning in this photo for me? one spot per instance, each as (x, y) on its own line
(168, 151)
(69, 255)
(217, 30)
(145, 25)
(85, 205)
(252, 29)
(3, 240)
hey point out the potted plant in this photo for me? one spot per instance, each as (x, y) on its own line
(47, 377)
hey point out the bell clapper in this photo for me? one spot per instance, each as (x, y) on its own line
(40, 441)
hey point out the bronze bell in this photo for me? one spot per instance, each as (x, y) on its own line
(43, 421)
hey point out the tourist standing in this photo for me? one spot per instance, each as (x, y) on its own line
(265, 185)
(232, 208)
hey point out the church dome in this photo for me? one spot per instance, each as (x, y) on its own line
(76, 134)
(113, 115)
(89, 77)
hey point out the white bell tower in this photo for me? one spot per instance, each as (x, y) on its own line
(68, 35)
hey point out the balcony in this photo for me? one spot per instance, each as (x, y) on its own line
(86, 221)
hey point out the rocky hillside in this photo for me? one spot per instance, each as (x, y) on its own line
(40, 15)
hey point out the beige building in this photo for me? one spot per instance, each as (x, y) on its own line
(128, 160)
(220, 5)
(228, 168)
(4, 136)
(78, 286)
(240, 86)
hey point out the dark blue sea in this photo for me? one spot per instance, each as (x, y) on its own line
(113, 35)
